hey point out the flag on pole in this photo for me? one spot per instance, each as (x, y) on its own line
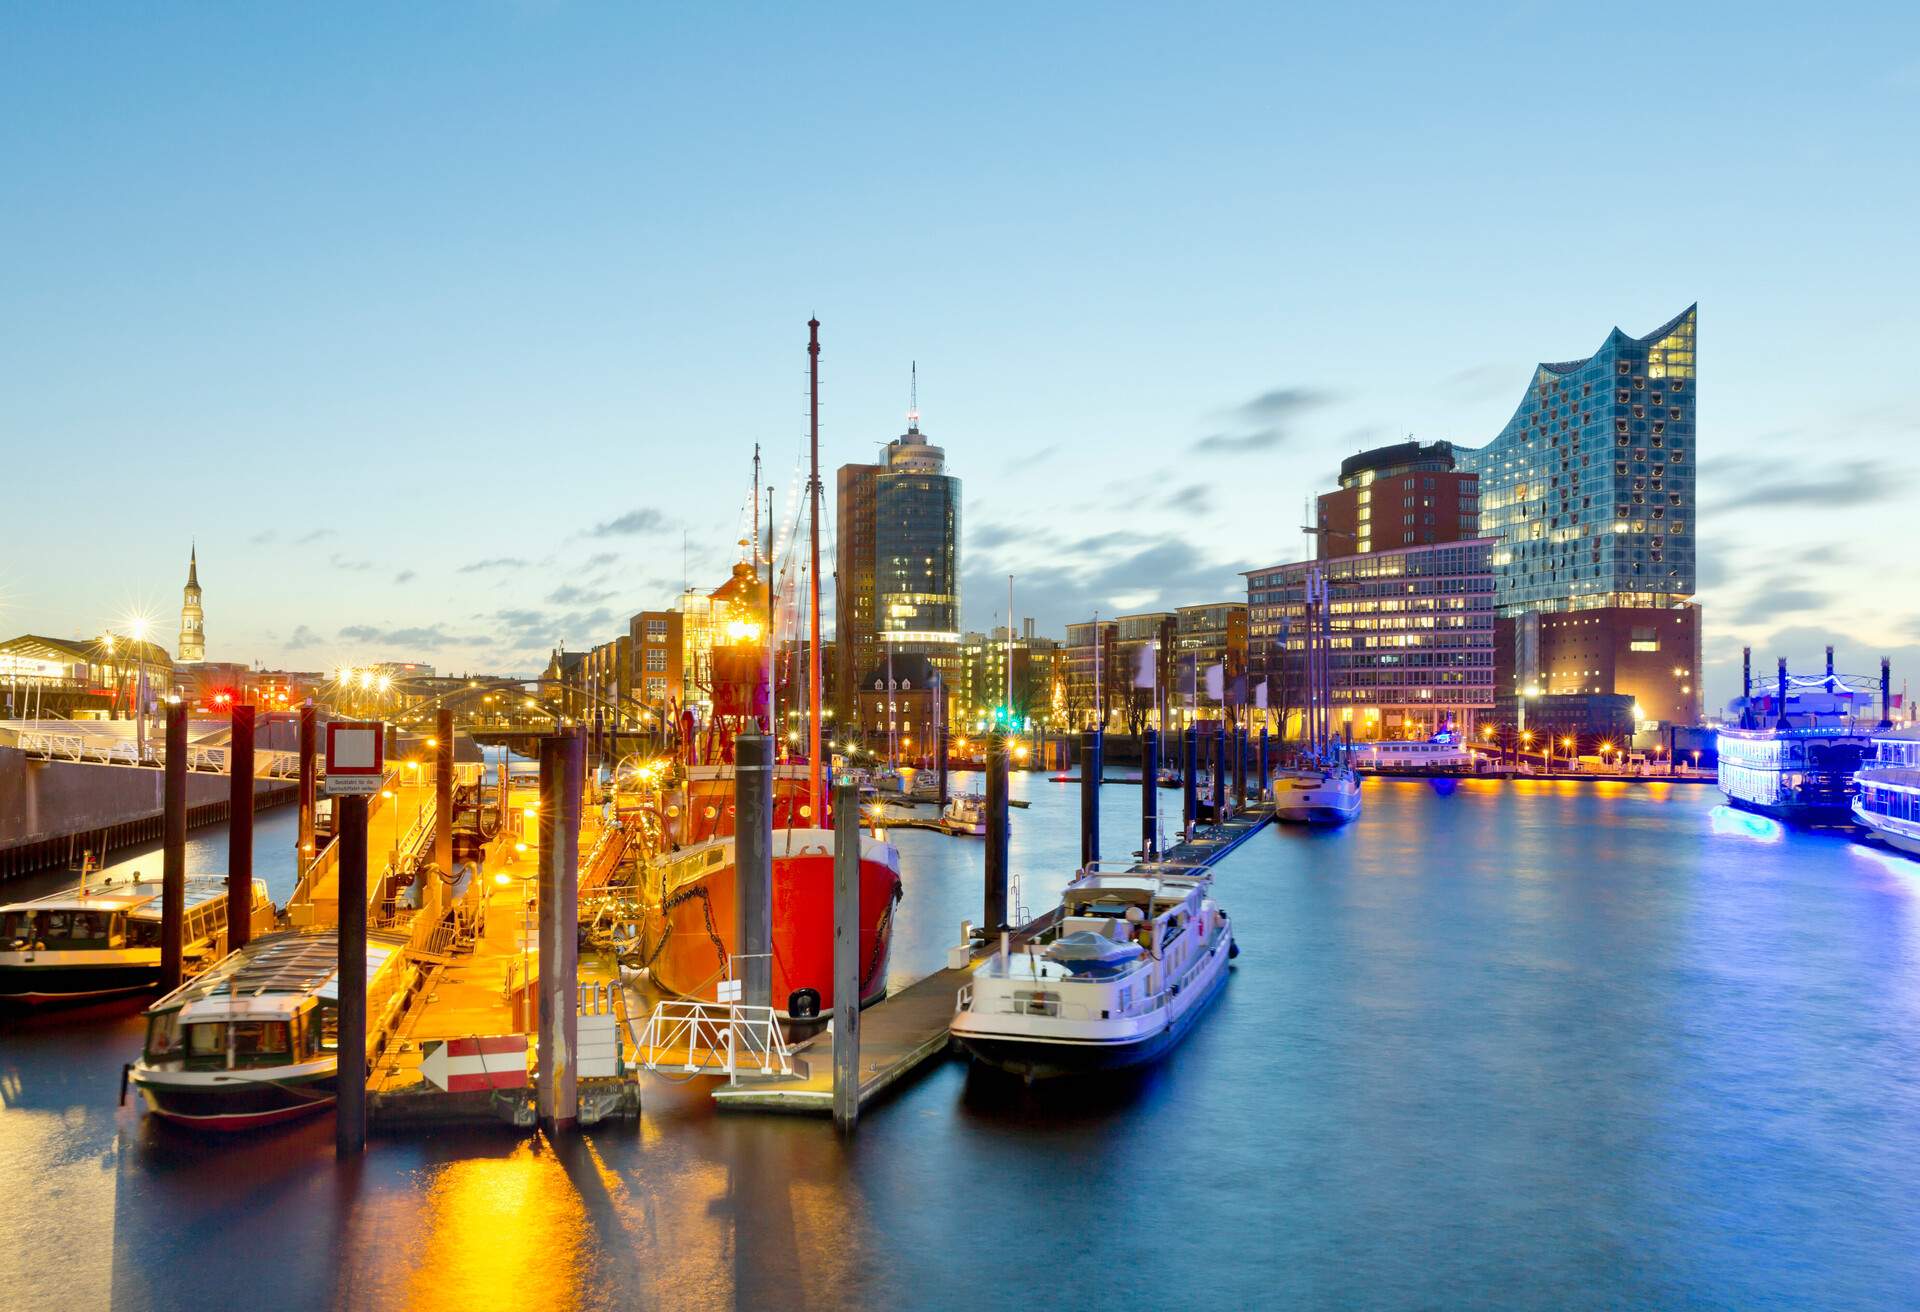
(1260, 694)
(1217, 682)
(1144, 674)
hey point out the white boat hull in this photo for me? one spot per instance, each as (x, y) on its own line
(1322, 802)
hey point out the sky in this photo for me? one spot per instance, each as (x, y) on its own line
(446, 331)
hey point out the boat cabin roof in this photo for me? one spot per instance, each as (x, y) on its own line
(1090, 894)
(140, 898)
(275, 976)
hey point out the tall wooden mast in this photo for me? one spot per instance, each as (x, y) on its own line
(816, 795)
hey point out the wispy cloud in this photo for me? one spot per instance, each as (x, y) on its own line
(303, 638)
(405, 576)
(1264, 422)
(339, 561)
(418, 637)
(600, 558)
(643, 520)
(262, 538)
(1848, 484)
(317, 535)
(569, 595)
(494, 562)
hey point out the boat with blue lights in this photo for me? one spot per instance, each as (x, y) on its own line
(1887, 800)
(1796, 751)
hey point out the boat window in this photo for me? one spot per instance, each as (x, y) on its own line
(15, 926)
(143, 933)
(163, 1035)
(329, 1028)
(256, 1039)
(207, 1040)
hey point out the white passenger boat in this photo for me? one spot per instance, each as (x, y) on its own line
(1887, 802)
(102, 939)
(255, 1040)
(1439, 755)
(1134, 960)
(1328, 795)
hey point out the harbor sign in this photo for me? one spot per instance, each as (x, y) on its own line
(356, 757)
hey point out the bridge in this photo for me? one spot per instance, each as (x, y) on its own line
(82, 748)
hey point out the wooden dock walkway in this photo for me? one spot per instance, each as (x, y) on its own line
(899, 1035)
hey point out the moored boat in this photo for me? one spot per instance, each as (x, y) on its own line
(1132, 963)
(1887, 800)
(254, 1040)
(1801, 774)
(965, 813)
(102, 939)
(1328, 795)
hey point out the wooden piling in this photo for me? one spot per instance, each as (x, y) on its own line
(240, 830)
(1092, 771)
(1149, 794)
(350, 1081)
(846, 954)
(1190, 783)
(753, 867)
(309, 774)
(173, 859)
(562, 767)
(443, 790)
(994, 910)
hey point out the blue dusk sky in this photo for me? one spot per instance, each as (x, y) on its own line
(443, 328)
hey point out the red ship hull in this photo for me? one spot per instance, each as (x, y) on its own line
(690, 903)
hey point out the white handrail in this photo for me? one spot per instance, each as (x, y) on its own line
(750, 1038)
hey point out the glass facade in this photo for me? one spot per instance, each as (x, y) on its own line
(916, 530)
(1589, 489)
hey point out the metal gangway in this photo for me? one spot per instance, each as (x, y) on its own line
(713, 1038)
(98, 749)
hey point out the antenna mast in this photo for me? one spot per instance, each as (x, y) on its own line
(815, 793)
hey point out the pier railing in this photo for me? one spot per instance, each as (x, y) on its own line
(690, 1035)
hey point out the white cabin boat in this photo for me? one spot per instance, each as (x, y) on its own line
(1134, 960)
(966, 813)
(255, 1040)
(1323, 796)
(102, 939)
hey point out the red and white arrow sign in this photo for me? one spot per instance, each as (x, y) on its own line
(463, 1065)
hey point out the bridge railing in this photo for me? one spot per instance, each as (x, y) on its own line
(88, 749)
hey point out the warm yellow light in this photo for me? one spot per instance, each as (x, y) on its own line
(433, 742)
(529, 811)
(1487, 732)
(137, 627)
(743, 630)
(1567, 743)
(366, 678)
(520, 848)
(502, 878)
(387, 793)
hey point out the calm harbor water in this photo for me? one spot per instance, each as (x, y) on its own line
(1535, 1045)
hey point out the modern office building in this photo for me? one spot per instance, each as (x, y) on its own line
(1589, 491)
(898, 582)
(1397, 496)
(1410, 644)
(1087, 671)
(1205, 636)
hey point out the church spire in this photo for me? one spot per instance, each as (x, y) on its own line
(193, 565)
(193, 620)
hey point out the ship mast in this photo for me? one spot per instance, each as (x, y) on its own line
(815, 795)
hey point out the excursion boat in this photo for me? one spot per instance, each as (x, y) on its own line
(1887, 802)
(1327, 795)
(1801, 774)
(1130, 966)
(102, 939)
(1429, 756)
(966, 814)
(255, 1040)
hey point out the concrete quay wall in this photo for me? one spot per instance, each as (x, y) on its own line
(53, 811)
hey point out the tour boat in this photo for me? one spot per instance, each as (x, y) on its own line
(255, 1040)
(1328, 795)
(1133, 961)
(966, 813)
(1888, 800)
(1442, 754)
(1801, 774)
(102, 939)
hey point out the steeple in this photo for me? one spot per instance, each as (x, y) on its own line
(193, 633)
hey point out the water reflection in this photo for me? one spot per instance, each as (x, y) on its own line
(1530, 1045)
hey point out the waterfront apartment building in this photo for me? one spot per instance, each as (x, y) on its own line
(1589, 492)
(1207, 635)
(655, 642)
(1397, 496)
(1410, 643)
(1087, 670)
